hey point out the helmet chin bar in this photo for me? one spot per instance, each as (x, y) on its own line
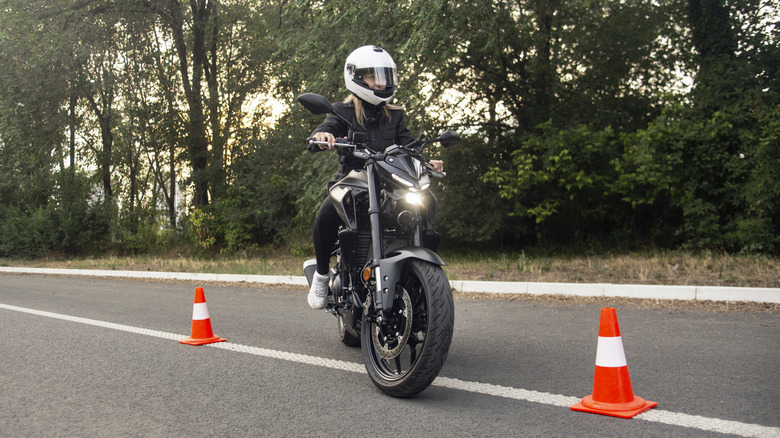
(373, 97)
(384, 94)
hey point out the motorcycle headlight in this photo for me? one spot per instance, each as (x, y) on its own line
(414, 198)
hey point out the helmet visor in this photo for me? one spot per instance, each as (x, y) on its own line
(377, 78)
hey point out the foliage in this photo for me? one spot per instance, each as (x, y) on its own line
(469, 208)
(139, 125)
(560, 179)
(67, 223)
(709, 182)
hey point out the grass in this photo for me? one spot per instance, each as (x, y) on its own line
(661, 267)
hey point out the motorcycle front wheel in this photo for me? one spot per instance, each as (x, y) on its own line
(405, 355)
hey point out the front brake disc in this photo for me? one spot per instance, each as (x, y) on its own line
(390, 344)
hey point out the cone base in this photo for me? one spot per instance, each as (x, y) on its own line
(622, 410)
(202, 341)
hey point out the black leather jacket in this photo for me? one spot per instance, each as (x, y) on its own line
(380, 131)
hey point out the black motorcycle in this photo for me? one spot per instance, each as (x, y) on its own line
(388, 289)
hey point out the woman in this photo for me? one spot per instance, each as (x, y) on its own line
(370, 74)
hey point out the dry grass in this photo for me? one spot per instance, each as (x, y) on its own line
(665, 268)
(668, 268)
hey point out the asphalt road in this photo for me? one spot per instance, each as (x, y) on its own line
(94, 357)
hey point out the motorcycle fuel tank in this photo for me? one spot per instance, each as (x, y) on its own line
(344, 194)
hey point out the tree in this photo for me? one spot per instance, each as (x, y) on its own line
(708, 171)
(96, 65)
(117, 113)
(553, 77)
(192, 63)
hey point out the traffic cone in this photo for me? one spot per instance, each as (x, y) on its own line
(201, 324)
(612, 392)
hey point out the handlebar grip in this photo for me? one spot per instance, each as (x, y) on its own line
(313, 146)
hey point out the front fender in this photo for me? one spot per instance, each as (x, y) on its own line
(390, 269)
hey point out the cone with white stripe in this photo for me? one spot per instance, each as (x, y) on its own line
(612, 392)
(201, 323)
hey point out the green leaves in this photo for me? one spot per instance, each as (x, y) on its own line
(560, 172)
(578, 122)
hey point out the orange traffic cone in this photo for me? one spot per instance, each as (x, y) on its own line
(201, 324)
(612, 392)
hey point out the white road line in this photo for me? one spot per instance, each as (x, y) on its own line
(654, 415)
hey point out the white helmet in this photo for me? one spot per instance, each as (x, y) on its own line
(374, 64)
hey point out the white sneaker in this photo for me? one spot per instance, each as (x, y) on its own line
(318, 294)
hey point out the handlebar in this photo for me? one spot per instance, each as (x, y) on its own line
(363, 154)
(314, 145)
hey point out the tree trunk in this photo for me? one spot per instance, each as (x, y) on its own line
(72, 141)
(197, 143)
(218, 131)
(107, 140)
(542, 77)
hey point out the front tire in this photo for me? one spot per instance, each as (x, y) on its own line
(404, 356)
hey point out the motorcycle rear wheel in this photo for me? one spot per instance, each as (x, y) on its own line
(346, 337)
(404, 356)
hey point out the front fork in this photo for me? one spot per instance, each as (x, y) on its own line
(387, 271)
(382, 294)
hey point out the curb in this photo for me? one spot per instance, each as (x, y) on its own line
(691, 293)
(694, 293)
(152, 275)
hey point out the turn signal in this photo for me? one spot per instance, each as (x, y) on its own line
(366, 274)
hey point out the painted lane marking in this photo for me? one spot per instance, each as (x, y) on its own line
(654, 415)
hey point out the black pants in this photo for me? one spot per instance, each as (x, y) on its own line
(326, 232)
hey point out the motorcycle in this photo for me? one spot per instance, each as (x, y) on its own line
(388, 290)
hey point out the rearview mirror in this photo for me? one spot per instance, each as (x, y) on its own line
(315, 103)
(449, 138)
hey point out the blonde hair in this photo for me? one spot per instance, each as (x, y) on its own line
(360, 113)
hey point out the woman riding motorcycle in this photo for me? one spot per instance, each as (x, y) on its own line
(370, 74)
